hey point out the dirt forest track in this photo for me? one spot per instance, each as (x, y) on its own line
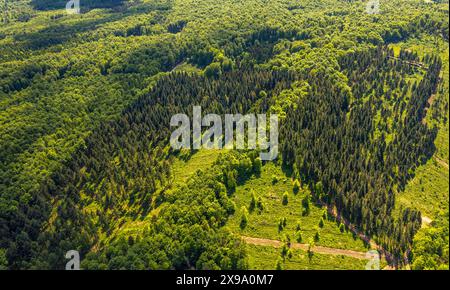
(304, 247)
(442, 162)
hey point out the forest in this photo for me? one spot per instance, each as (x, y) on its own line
(85, 107)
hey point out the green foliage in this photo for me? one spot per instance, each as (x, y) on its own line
(324, 215)
(310, 251)
(284, 251)
(319, 189)
(203, 200)
(282, 224)
(285, 198)
(85, 102)
(279, 264)
(264, 257)
(213, 70)
(231, 181)
(265, 224)
(353, 108)
(3, 260)
(321, 223)
(296, 186)
(431, 246)
(306, 205)
(298, 236)
(317, 236)
(252, 201)
(259, 204)
(244, 217)
(257, 165)
(274, 179)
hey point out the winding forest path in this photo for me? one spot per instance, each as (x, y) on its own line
(383, 253)
(304, 247)
(333, 212)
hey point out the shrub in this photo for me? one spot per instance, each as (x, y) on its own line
(274, 179)
(282, 224)
(306, 205)
(321, 223)
(257, 165)
(259, 204)
(213, 70)
(317, 236)
(285, 198)
(284, 250)
(244, 217)
(296, 186)
(298, 237)
(279, 265)
(342, 227)
(252, 202)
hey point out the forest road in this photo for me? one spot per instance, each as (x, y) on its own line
(441, 162)
(304, 247)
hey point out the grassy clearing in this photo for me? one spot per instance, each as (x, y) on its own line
(265, 224)
(186, 67)
(265, 258)
(442, 143)
(428, 191)
(201, 160)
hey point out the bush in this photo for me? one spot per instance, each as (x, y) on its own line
(282, 224)
(231, 181)
(244, 217)
(287, 240)
(296, 186)
(317, 236)
(274, 179)
(298, 237)
(306, 205)
(259, 204)
(285, 198)
(284, 250)
(321, 223)
(279, 265)
(213, 70)
(252, 202)
(311, 246)
(325, 215)
(257, 165)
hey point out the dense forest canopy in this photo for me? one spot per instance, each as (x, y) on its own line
(86, 99)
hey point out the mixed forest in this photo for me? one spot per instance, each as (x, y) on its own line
(85, 107)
